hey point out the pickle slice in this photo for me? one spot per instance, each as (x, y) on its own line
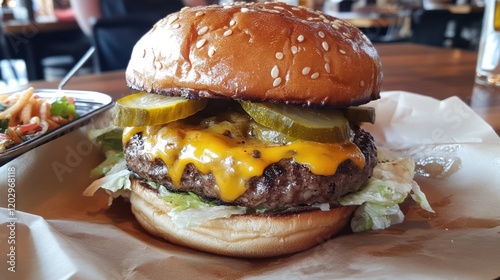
(266, 134)
(145, 109)
(319, 125)
(359, 115)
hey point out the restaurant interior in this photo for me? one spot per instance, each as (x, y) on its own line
(42, 40)
(431, 108)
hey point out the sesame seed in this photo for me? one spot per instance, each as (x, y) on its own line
(278, 8)
(346, 34)
(295, 9)
(325, 46)
(335, 26)
(315, 75)
(228, 32)
(326, 21)
(175, 26)
(244, 10)
(163, 22)
(172, 19)
(203, 30)
(199, 14)
(232, 22)
(321, 34)
(306, 70)
(275, 72)
(279, 55)
(211, 52)
(361, 83)
(327, 59)
(342, 51)
(200, 43)
(271, 11)
(337, 22)
(294, 49)
(143, 53)
(276, 82)
(300, 38)
(327, 67)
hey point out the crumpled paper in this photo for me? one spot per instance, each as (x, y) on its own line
(50, 231)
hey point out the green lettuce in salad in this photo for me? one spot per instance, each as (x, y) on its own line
(62, 107)
(378, 199)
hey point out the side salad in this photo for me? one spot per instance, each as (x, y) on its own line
(24, 116)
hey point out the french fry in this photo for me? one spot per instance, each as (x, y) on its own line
(44, 111)
(52, 124)
(25, 114)
(38, 105)
(14, 109)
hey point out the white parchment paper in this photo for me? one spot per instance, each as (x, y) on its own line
(50, 231)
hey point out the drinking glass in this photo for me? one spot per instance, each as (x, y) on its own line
(488, 61)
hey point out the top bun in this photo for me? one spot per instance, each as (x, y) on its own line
(270, 52)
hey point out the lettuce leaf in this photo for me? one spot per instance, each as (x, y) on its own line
(61, 107)
(379, 198)
(110, 141)
(116, 182)
(191, 210)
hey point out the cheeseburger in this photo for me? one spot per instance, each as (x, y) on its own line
(245, 138)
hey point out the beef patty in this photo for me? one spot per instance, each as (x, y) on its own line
(283, 184)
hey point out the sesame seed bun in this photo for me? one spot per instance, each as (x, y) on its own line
(245, 236)
(269, 52)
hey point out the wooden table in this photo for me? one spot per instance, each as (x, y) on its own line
(363, 20)
(14, 27)
(431, 71)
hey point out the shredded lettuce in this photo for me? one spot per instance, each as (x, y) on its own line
(110, 141)
(379, 199)
(116, 182)
(191, 210)
(184, 201)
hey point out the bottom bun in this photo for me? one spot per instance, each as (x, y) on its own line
(246, 236)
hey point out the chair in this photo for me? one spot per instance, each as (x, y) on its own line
(114, 39)
(429, 27)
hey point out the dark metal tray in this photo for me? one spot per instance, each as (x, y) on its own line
(88, 104)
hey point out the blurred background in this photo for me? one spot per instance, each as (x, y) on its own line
(44, 39)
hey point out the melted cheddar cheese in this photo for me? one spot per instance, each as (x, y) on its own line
(234, 159)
